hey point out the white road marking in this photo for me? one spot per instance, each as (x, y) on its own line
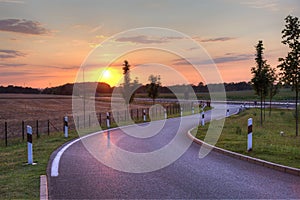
(56, 160)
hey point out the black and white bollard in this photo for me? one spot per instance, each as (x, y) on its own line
(202, 118)
(165, 112)
(66, 129)
(29, 145)
(144, 115)
(249, 143)
(181, 112)
(193, 110)
(107, 120)
(227, 113)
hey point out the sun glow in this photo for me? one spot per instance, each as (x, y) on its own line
(110, 76)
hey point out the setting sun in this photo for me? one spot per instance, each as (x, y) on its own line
(110, 76)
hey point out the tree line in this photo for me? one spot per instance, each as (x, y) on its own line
(104, 88)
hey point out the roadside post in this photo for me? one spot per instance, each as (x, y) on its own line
(165, 112)
(144, 115)
(202, 118)
(227, 113)
(29, 145)
(66, 126)
(193, 110)
(107, 120)
(181, 111)
(249, 143)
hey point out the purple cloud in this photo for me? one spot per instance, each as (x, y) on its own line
(5, 53)
(218, 60)
(218, 39)
(12, 64)
(23, 26)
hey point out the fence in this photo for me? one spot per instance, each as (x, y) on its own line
(17, 129)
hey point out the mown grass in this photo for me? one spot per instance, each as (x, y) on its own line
(19, 180)
(268, 144)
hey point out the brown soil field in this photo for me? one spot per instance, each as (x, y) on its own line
(15, 108)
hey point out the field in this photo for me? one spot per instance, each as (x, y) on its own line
(16, 108)
(268, 143)
(44, 113)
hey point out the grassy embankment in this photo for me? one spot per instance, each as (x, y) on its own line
(268, 144)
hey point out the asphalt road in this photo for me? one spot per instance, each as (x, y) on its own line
(82, 176)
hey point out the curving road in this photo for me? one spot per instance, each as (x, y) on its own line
(79, 175)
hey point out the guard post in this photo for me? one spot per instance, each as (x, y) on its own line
(66, 126)
(202, 118)
(29, 145)
(144, 115)
(107, 120)
(249, 143)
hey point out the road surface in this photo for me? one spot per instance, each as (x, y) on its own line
(81, 176)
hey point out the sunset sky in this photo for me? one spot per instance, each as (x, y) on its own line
(44, 43)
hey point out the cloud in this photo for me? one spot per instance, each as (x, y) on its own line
(5, 53)
(272, 5)
(219, 60)
(5, 74)
(12, 1)
(233, 58)
(23, 26)
(218, 39)
(142, 39)
(12, 64)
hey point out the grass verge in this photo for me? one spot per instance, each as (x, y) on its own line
(268, 144)
(19, 180)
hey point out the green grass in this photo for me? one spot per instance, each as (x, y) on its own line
(19, 180)
(268, 144)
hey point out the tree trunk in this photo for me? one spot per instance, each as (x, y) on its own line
(261, 109)
(264, 109)
(270, 110)
(296, 111)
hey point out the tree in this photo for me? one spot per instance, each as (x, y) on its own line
(127, 92)
(260, 79)
(153, 87)
(273, 87)
(289, 66)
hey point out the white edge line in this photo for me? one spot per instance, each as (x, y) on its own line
(56, 160)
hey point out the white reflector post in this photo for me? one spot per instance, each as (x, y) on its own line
(193, 110)
(165, 111)
(107, 120)
(66, 126)
(181, 112)
(249, 143)
(29, 144)
(202, 119)
(144, 115)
